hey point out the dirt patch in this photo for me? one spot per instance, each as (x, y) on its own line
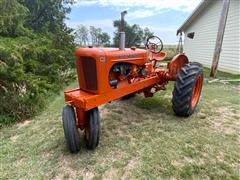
(66, 170)
(112, 156)
(112, 173)
(46, 155)
(202, 115)
(88, 175)
(106, 109)
(51, 131)
(20, 162)
(104, 112)
(132, 164)
(14, 138)
(227, 121)
(23, 123)
(177, 164)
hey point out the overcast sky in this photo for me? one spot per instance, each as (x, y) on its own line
(163, 17)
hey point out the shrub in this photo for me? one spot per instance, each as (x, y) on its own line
(30, 70)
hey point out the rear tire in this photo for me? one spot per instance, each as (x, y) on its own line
(187, 89)
(70, 129)
(92, 129)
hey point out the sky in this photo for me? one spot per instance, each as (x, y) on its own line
(163, 17)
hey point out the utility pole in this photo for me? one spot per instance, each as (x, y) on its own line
(221, 29)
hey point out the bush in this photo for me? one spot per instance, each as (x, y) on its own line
(36, 55)
(31, 68)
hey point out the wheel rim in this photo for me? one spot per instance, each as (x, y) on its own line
(196, 90)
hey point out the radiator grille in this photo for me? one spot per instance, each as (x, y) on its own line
(89, 72)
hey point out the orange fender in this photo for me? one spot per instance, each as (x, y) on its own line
(175, 65)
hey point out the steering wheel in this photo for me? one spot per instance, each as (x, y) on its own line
(154, 44)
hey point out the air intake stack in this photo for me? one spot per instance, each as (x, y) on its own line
(122, 33)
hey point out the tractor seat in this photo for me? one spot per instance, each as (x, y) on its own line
(157, 56)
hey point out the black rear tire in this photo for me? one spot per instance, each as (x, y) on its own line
(92, 129)
(184, 101)
(70, 129)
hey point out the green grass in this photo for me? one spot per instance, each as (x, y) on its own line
(222, 75)
(141, 138)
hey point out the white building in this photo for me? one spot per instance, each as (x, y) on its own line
(201, 30)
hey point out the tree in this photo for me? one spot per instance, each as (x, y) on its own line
(135, 35)
(147, 33)
(36, 54)
(104, 39)
(98, 37)
(94, 33)
(81, 35)
(12, 18)
(46, 16)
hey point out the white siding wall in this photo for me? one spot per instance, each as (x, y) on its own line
(205, 26)
(230, 55)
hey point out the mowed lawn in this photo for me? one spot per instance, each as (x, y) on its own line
(140, 139)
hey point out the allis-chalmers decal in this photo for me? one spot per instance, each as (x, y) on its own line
(127, 56)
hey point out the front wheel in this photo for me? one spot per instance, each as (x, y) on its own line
(92, 129)
(70, 129)
(187, 89)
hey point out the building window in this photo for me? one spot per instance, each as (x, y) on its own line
(191, 35)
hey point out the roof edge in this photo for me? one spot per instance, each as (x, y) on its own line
(194, 14)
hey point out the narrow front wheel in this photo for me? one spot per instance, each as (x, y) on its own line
(70, 129)
(92, 129)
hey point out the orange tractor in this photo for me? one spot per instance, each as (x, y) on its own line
(107, 74)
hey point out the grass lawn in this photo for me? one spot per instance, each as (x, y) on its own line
(140, 138)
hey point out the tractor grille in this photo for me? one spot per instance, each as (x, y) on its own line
(89, 72)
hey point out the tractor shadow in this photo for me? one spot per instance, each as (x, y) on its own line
(139, 109)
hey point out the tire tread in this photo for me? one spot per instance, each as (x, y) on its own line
(182, 93)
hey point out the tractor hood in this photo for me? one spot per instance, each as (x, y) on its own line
(112, 53)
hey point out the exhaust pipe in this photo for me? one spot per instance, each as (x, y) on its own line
(122, 33)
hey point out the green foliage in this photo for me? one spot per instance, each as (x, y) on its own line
(135, 35)
(29, 73)
(46, 16)
(104, 39)
(35, 59)
(147, 33)
(12, 17)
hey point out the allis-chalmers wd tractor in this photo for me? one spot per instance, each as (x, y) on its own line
(107, 74)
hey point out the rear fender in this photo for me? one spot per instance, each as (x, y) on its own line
(175, 65)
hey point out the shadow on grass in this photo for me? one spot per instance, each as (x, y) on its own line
(159, 103)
